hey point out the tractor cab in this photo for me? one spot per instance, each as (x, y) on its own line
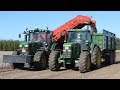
(81, 36)
(35, 39)
(77, 40)
(37, 35)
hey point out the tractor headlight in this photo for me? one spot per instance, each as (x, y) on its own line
(69, 50)
(87, 42)
(20, 45)
(66, 48)
(26, 45)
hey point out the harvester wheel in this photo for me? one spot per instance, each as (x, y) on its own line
(53, 61)
(96, 57)
(84, 62)
(40, 61)
(16, 65)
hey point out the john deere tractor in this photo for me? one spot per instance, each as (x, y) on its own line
(84, 48)
(34, 50)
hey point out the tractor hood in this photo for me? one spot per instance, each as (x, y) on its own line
(71, 44)
(71, 50)
(68, 44)
(24, 43)
(30, 48)
(27, 43)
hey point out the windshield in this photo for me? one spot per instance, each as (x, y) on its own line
(37, 36)
(75, 36)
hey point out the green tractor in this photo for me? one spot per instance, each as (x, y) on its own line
(34, 50)
(83, 49)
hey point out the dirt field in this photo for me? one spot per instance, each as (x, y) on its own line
(106, 72)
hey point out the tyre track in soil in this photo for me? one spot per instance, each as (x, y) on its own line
(23, 74)
(106, 72)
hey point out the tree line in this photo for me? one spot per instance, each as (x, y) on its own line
(11, 45)
(118, 43)
(8, 45)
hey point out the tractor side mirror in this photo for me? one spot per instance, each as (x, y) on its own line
(25, 37)
(51, 36)
(65, 40)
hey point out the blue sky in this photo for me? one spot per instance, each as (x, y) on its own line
(14, 22)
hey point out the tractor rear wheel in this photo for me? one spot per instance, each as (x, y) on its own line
(84, 62)
(96, 57)
(16, 65)
(53, 61)
(40, 61)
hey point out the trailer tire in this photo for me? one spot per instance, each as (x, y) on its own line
(40, 61)
(53, 61)
(110, 59)
(16, 65)
(114, 56)
(96, 57)
(84, 62)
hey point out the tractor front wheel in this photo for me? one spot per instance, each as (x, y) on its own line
(84, 62)
(53, 61)
(40, 61)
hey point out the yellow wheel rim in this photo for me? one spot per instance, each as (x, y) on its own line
(99, 58)
(88, 63)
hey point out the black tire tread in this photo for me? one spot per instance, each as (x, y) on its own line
(53, 61)
(82, 61)
(110, 59)
(37, 57)
(94, 57)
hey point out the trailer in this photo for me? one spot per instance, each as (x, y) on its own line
(107, 43)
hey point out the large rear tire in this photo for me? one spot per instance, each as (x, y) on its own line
(16, 65)
(53, 61)
(40, 61)
(96, 57)
(84, 62)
